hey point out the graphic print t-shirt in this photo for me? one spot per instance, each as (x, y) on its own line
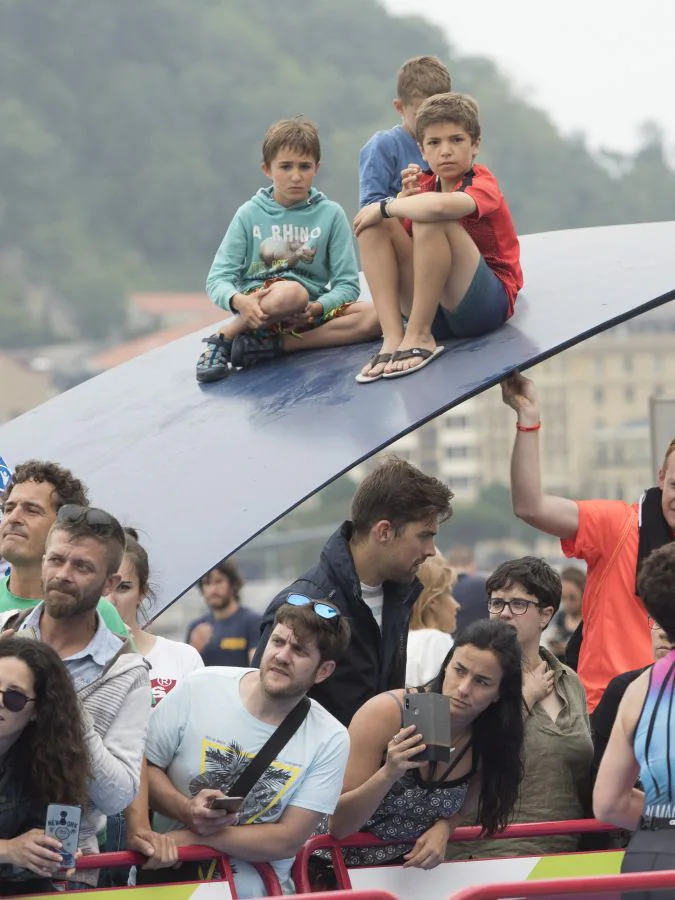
(170, 661)
(203, 737)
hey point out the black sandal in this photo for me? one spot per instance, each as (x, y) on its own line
(375, 360)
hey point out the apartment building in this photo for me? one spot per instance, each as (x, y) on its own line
(596, 434)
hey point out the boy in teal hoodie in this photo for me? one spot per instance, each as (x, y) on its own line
(286, 267)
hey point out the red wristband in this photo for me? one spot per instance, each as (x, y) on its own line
(528, 427)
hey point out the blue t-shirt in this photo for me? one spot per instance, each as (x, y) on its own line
(203, 736)
(232, 639)
(381, 162)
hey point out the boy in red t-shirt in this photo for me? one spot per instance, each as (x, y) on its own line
(453, 269)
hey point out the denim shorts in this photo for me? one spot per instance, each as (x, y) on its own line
(484, 307)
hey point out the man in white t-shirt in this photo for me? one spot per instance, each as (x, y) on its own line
(205, 732)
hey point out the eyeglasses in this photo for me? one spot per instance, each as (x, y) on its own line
(517, 607)
(98, 520)
(321, 608)
(15, 701)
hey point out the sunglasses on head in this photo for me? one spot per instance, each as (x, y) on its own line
(96, 519)
(15, 701)
(321, 608)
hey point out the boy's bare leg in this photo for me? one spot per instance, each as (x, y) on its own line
(358, 323)
(445, 261)
(281, 300)
(386, 257)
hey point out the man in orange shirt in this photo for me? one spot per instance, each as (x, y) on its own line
(612, 537)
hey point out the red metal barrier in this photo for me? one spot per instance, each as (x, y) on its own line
(344, 895)
(185, 854)
(564, 887)
(470, 833)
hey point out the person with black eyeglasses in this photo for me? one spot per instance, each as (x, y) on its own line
(525, 594)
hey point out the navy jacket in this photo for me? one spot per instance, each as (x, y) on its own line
(19, 813)
(374, 661)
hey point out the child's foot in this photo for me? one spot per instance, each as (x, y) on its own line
(212, 364)
(414, 352)
(374, 368)
(249, 349)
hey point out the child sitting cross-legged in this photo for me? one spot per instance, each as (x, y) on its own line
(451, 265)
(286, 267)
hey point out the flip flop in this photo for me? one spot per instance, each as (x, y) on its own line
(426, 356)
(374, 361)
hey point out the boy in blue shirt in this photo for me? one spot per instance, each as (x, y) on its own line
(387, 153)
(286, 267)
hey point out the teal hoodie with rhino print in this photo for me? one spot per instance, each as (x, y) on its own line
(310, 242)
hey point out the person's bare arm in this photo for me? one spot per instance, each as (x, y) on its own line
(194, 812)
(259, 843)
(615, 799)
(366, 780)
(554, 515)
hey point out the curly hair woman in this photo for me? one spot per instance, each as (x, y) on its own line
(388, 793)
(43, 759)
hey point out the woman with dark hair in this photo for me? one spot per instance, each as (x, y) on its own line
(43, 760)
(386, 792)
(169, 660)
(524, 595)
(641, 743)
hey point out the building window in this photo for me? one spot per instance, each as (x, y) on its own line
(458, 452)
(628, 363)
(629, 395)
(599, 396)
(599, 367)
(457, 422)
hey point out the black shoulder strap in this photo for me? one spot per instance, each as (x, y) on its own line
(269, 751)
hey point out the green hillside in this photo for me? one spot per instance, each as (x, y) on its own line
(130, 132)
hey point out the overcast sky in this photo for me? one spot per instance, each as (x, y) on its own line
(596, 66)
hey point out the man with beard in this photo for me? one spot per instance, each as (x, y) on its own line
(208, 729)
(82, 556)
(32, 496)
(368, 569)
(227, 635)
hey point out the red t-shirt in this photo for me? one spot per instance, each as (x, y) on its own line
(616, 632)
(490, 227)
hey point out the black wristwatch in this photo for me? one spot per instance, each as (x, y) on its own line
(383, 207)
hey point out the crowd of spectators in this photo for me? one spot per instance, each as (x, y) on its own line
(257, 732)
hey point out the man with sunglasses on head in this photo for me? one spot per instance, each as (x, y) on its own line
(83, 552)
(32, 497)
(368, 569)
(213, 724)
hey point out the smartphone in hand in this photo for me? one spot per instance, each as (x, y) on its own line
(63, 823)
(430, 714)
(229, 804)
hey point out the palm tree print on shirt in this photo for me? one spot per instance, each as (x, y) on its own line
(222, 764)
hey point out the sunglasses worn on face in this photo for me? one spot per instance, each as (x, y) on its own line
(97, 519)
(15, 701)
(321, 608)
